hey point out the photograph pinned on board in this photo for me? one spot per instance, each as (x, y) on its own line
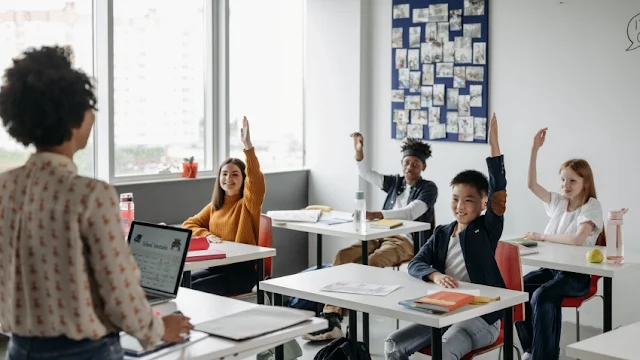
(414, 59)
(475, 94)
(480, 53)
(443, 32)
(472, 30)
(452, 122)
(475, 73)
(412, 102)
(426, 96)
(433, 52)
(464, 108)
(414, 36)
(400, 116)
(414, 131)
(463, 50)
(401, 58)
(428, 74)
(480, 128)
(431, 32)
(414, 80)
(437, 131)
(401, 11)
(473, 7)
(459, 77)
(420, 117)
(401, 131)
(434, 115)
(444, 70)
(455, 20)
(421, 15)
(403, 79)
(438, 94)
(397, 96)
(448, 52)
(452, 99)
(465, 128)
(396, 38)
(438, 12)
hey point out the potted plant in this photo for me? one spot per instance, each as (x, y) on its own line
(189, 168)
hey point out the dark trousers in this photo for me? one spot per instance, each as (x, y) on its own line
(228, 280)
(63, 348)
(540, 332)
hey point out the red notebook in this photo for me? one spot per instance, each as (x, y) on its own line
(444, 301)
(209, 254)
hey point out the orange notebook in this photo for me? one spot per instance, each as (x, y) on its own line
(444, 301)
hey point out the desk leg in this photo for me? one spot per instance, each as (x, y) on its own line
(365, 316)
(260, 274)
(508, 334)
(186, 279)
(607, 299)
(353, 328)
(277, 301)
(319, 265)
(436, 343)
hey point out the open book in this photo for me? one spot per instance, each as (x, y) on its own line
(311, 216)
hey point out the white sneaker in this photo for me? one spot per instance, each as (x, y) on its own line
(526, 356)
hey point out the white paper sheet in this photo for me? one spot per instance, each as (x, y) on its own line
(360, 288)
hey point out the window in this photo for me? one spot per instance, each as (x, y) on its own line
(34, 23)
(155, 128)
(265, 80)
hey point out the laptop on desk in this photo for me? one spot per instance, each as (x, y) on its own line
(160, 252)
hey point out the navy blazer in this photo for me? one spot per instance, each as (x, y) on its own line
(478, 240)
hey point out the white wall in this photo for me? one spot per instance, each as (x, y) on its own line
(558, 65)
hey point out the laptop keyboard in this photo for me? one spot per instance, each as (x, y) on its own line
(151, 297)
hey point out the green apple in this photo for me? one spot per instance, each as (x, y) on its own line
(595, 256)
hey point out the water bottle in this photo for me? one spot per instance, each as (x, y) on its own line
(615, 245)
(127, 210)
(360, 213)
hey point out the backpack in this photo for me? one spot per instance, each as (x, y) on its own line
(341, 349)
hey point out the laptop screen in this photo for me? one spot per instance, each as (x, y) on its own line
(160, 252)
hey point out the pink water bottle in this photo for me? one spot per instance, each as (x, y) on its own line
(127, 210)
(615, 244)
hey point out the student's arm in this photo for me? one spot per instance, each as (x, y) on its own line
(371, 176)
(590, 224)
(254, 184)
(532, 178)
(425, 201)
(568, 239)
(497, 198)
(199, 223)
(421, 266)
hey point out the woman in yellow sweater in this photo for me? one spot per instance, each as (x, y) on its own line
(232, 215)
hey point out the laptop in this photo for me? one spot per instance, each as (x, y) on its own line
(160, 252)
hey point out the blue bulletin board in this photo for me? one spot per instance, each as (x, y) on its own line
(439, 70)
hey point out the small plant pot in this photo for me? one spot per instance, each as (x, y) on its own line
(190, 170)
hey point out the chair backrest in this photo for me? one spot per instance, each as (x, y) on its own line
(508, 259)
(602, 239)
(265, 239)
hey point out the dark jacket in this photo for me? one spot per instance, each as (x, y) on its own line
(423, 190)
(478, 240)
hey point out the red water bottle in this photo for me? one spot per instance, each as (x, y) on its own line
(127, 211)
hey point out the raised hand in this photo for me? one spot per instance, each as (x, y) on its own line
(493, 136)
(244, 134)
(538, 140)
(358, 145)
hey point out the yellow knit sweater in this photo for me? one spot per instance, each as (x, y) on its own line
(239, 218)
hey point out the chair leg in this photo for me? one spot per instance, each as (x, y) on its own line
(397, 324)
(500, 353)
(578, 323)
(517, 352)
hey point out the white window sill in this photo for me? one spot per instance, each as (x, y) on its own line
(151, 179)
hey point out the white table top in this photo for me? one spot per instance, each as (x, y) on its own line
(347, 230)
(573, 258)
(202, 307)
(307, 286)
(618, 344)
(236, 253)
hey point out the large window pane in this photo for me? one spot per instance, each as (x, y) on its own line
(34, 23)
(265, 79)
(159, 50)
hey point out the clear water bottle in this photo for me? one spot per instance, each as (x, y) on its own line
(360, 213)
(615, 244)
(127, 211)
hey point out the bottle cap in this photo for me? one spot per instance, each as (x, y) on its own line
(359, 195)
(617, 214)
(126, 197)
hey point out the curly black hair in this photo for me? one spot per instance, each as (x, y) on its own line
(43, 98)
(473, 178)
(417, 146)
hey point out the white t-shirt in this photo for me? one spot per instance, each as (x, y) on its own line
(454, 264)
(567, 222)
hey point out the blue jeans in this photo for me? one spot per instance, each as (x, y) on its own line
(63, 348)
(228, 280)
(540, 332)
(459, 340)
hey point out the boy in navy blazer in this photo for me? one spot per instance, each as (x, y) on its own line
(463, 250)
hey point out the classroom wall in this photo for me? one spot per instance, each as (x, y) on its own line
(564, 66)
(172, 202)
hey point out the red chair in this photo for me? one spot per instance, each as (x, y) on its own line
(265, 239)
(508, 259)
(576, 302)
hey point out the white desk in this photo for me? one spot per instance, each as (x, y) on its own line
(307, 286)
(202, 307)
(572, 258)
(619, 344)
